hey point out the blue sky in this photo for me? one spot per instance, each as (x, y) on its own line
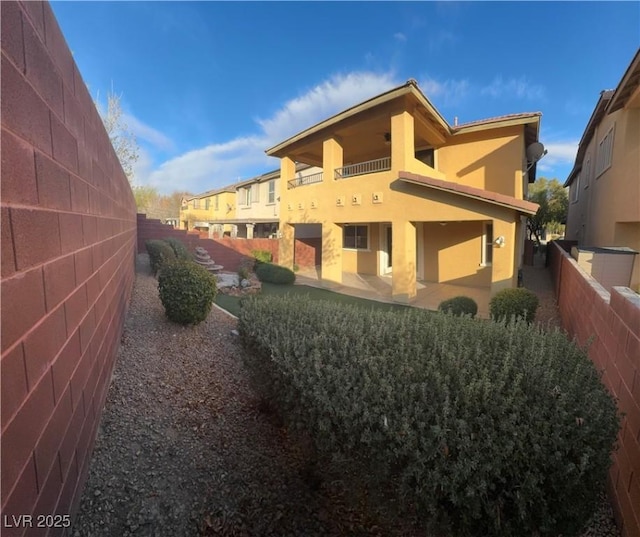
(208, 86)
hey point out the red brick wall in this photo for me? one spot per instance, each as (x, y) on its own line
(308, 252)
(230, 253)
(613, 320)
(68, 240)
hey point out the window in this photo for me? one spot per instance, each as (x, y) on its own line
(216, 202)
(586, 172)
(486, 255)
(247, 196)
(575, 189)
(207, 204)
(605, 150)
(272, 191)
(356, 237)
(196, 204)
(255, 193)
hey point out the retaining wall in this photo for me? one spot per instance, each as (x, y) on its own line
(613, 321)
(68, 242)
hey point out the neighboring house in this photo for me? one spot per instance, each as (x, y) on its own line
(604, 185)
(209, 212)
(404, 192)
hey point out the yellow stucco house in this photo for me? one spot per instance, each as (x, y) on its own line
(209, 211)
(604, 185)
(402, 192)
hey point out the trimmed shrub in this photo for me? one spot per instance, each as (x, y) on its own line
(519, 303)
(187, 291)
(160, 252)
(459, 305)
(262, 256)
(179, 248)
(486, 429)
(268, 272)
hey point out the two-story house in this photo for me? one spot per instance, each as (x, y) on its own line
(403, 192)
(604, 185)
(209, 211)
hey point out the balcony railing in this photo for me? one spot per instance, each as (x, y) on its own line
(361, 168)
(306, 180)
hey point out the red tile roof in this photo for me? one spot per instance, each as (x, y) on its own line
(510, 202)
(496, 119)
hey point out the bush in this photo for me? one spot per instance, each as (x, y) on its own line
(187, 291)
(519, 303)
(179, 248)
(160, 252)
(484, 428)
(262, 256)
(268, 272)
(459, 305)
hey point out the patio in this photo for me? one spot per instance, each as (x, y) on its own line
(429, 296)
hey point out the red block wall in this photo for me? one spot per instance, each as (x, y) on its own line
(308, 252)
(613, 320)
(68, 242)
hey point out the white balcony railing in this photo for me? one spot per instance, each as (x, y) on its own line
(361, 168)
(305, 180)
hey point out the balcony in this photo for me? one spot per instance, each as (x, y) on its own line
(362, 168)
(305, 180)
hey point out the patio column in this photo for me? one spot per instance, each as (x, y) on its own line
(286, 245)
(503, 275)
(402, 141)
(403, 281)
(331, 157)
(331, 253)
(250, 231)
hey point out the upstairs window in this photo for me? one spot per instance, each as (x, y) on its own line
(255, 193)
(247, 196)
(272, 191)
(207, 204)
(575, 189)
(196, 204)
(216, 203)
(605, 153)
(586, 172)
(356, 237)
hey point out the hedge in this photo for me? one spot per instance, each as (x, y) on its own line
(485, 428)
(268, 272)
(519, 303)
(160, 252)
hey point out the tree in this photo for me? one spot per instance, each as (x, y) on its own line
(123, 140)
(552, 198)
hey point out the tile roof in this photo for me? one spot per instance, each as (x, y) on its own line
(510, 202)
(497, 119)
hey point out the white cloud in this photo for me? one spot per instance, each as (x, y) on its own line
(219, 164)
(147, 133)
(559, 153)
(399, 36)
(447, 92)
(520, 88)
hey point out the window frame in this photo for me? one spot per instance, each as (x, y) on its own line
(486, 251)
(575, 192)
(605, 150)
(271, 192)
(355, 246)
(216, 202)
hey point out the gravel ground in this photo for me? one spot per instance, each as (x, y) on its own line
(185, 447)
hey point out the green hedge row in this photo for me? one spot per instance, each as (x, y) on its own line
(268, 272)
(486, 428)
(160, 252)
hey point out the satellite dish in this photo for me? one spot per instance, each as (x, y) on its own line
(535, 152)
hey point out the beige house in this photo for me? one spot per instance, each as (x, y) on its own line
(604, 185)
(402, 193)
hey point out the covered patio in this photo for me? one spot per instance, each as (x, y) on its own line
(429, 294)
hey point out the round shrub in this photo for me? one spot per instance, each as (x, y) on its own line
(268, 272)
(187, 291)
(459, 305)
(519, 303)
(159, 253)
(179, 248)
